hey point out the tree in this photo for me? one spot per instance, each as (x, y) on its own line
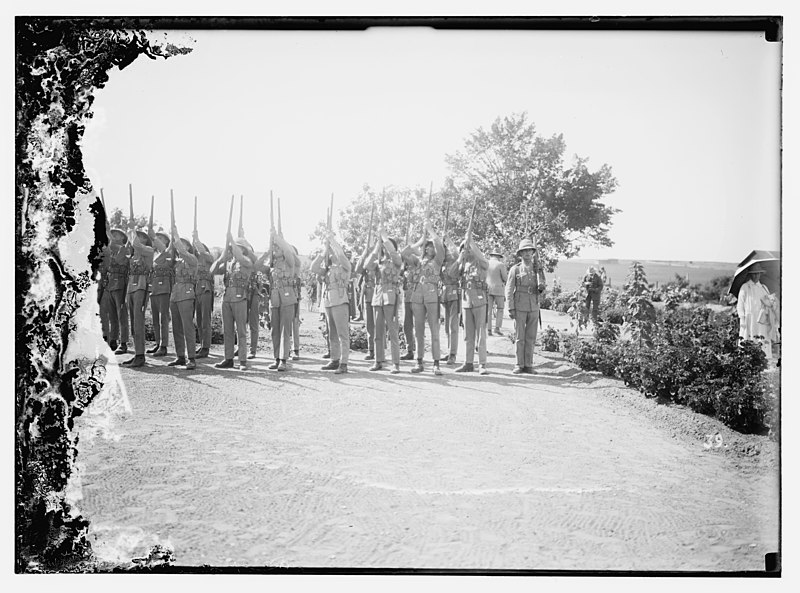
(523, 188)
(118, 220)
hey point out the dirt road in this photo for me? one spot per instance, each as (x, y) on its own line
(562, 470)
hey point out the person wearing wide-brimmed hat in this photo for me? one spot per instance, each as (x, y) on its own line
(425, 292)
(182, 300)
(141, 264)
(593, 284)
(385, 262)
(203, 294)
(333, 265)
(450, 297)
(525, 283)
(496, 278)
(473, 266)
(115, 289)
(161, 280)
(236, 263)
(367, 277)
(757, 310)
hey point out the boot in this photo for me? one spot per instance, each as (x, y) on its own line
(162, 351)
(436, 370)
(202, 353)
(242, 365)
(123, 348)
(498, 332)
(489, 332)
(274, 366)
(191, 365)
(153, 350)
(451, 360)
(251, 356)
(137, 361)
(296, 355)
(518, 370)
(376, 366)
(225, 364)
(408, 355)
(282, 366)
(529, 371)
(326, 355)
(419, 367)
(482, 370)
(370, 356)
(331, 366)
(396, 369)
(180, 361)
(341, 369)
(467, 367)
(113, 344)
(129, 361)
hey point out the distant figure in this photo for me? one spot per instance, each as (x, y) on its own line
(496, 278)
(604, 276)
(757, 310)
(593, 284)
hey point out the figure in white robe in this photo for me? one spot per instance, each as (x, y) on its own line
(758, 312)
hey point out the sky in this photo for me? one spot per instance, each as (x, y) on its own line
(688, 121)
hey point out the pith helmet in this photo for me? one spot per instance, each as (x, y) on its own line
(525, 244)
(164, 238)
(496, 252)
(118, 236)
(144, 238)
(188, 245)
(755, 269)
(245, 247)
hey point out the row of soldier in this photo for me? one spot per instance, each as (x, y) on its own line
(176, 276)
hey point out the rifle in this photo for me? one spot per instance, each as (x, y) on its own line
(330, 230)
(280, 231)
(271, 226)
(369, 231)
(195, 215)
(230, 216)
(446, 217)
(150, 223)
(408, 219)
(105, 211)
(174, 238)
(241, 212)
(428, 206)
(131, 224)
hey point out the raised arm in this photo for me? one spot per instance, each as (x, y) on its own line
(138, 247)
(338, 253)
(190, 259)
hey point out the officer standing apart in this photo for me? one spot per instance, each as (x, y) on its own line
(203, 294)
(141, 266)
(182, 300)
(524, 285)
(236, 262)
(334, 266)
(425, 293)
(160, 291)
(473, 266)
(451, 299)
(386, 262)
(283, 296)
(496, 278)
(593, 284)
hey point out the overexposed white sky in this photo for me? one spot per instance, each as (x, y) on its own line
(688, 121)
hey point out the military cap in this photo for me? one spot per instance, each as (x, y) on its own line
(118, 236)
(526, 244)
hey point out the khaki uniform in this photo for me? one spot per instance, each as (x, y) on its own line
(103, 299)
(451, 297)
(473, 305)
(369, 313)
(204, 297)
(385, 301)
(410, 278)
(234, 308)
(337, 308)
(282, 301)
(425, 303)
(522, 294)
(298, 289)
(181, 303)
(257, 293)
(140, 268)
(496, 278)
(160, 291)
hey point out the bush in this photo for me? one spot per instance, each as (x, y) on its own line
(359, 339)
(550, 339)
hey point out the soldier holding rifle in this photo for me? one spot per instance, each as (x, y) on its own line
(334, 267)
(524, 284)
(368, 289)
(141, 265)
(203, 290)
(182, 298)
(425, 292)
(236, 263)
(410, 273)
(450, 295)
(473, 266)
(114, 290)
(161, 282)
(283, 296)
(257, 289)
(385, 263)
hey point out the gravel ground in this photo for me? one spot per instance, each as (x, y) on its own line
(562, 470)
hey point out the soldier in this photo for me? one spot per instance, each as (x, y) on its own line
(385, 263)
(160, 291)
(257, 292)
(473, 266)
(236, 263)
(334, 266)
(203, 294)
(115, 290)
(451, 299)
(298, 289)
(141, 265)
(425, 293)
(283, 296)
(524, 285)
(182, 300)
(593, 283)
(103, 298)
(367, 292)
(410, 277)
(496, 279)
